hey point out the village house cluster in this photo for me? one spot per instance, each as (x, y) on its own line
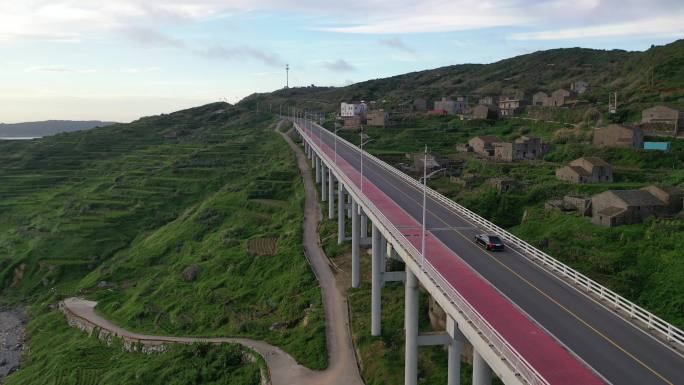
(522, 148)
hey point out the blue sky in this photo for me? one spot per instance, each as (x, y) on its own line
(120, 60)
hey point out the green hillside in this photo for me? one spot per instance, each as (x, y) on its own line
(180, 224)
(629, 73)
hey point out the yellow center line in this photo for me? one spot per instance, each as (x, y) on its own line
(585, 323)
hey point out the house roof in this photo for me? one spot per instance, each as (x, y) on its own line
(637, 197)
(579, 170)
(488, 138)
(611, 211)
(670, 190)
(594, 161)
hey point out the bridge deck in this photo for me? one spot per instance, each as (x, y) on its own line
(527, 305)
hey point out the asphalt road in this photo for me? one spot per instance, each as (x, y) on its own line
(614, 348)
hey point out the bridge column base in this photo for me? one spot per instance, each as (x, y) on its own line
(318, 169)
(356, 264)
(456, 341)
(331, 195)
(340, 214)
(324, 183)
(376, 283)
(411, 326)
(482, 374)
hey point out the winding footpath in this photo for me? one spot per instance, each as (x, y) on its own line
(283, 369)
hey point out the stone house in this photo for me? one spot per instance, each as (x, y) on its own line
(488, 100)
(540, 99)
(662, 117)
(588, 169)
(352, 109)
(418, 160)
(377, 118)
(509, 106)
(484, 144)
(670, 196)
(503, 184)
(615, 135)
(620, 207)
(452, 107)
(558, 97)
(352, 122)
(523, 148)
(484, 111)
(579, 87)
(420, 105)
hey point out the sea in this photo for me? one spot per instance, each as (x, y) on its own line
(19, 137)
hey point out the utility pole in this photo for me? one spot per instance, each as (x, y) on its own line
(612, 105)
(287, 76)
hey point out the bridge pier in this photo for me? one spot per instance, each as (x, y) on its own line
(411, 329)
(455, 349)
(364, 225)
(318, 169)
(376, 281)
(482, 374)
(331, 195)
(356, 263)
(349, 206)
(340, 214)
(324, 183)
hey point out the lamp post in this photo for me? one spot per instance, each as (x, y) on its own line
(361, 143)
(422, 238)
(335, 139)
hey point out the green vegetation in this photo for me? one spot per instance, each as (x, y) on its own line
(641, 78)
(154, 220)
(62, 355)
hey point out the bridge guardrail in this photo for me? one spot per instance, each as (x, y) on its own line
(502, 347)
(664, 329)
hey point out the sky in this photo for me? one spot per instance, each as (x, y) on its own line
(119, 60)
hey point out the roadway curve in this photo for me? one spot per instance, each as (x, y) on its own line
(284, 370)
(617, 350)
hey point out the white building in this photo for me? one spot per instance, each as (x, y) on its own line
(352, 109)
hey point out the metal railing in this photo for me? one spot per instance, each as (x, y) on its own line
(635, 312)
(515, 360)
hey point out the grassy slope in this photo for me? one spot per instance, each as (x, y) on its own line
(543, 70)
(126, 206)
(62, 355)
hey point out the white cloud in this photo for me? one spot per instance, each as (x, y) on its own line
(398, 44)
(339, 65)
(74, 20)
(659, 27)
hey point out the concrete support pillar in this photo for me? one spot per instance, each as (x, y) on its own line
(411, 326)
(455, 350)
(349, 209)
(356, 263)
(324, 183)
(318, 170)
(340, 214)
(331, 195)
(376, 281)
(313, 159)
(482, 374)
(364, 225)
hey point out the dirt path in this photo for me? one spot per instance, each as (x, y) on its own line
(284, 370)
(12, 323)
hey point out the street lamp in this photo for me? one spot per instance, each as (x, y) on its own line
(422, 237)
(361, 143)
(335, 138)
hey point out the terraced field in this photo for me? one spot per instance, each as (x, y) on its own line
(152, 219)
